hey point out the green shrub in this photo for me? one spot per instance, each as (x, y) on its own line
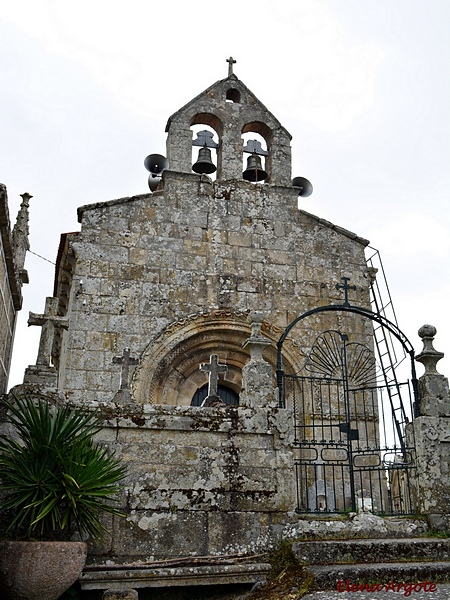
(54, 474)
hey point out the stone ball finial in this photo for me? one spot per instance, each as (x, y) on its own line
(429, 357)
(427, 331)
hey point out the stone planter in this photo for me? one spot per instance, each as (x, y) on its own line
(39, 570)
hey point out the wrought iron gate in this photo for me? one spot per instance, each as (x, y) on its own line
(352, 447)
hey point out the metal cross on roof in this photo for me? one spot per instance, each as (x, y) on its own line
(344, 286)
(230, 62)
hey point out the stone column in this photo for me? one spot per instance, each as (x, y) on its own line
(432, 437)
(257, 378)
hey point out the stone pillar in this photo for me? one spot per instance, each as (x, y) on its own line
(257, 378)
(20, 237)
(432, 437)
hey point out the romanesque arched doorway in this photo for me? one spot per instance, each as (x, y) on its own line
(353, 449)
(169, 373)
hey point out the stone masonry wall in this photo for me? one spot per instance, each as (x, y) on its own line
(201, 481)
(195, 247)
(10, 290)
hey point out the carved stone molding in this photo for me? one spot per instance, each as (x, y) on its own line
(169, 373)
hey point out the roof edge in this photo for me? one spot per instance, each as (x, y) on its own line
(61, 251)
(96, 205)
(337, 228)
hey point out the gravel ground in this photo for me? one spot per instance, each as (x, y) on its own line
(442, 592)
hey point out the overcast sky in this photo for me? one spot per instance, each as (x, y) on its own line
(362, 85)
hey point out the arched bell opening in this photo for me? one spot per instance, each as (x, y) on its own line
(207, 130)
(256, 138)
(233, 95)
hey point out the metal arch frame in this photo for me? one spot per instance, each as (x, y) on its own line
(392, 327)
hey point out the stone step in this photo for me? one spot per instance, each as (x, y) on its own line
(95, 578)
(353, 577)
(372, 551)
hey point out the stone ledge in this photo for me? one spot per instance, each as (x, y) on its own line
(133, 578)
(372, 551)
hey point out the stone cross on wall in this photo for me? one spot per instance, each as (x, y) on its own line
(213, 368)
(49, 322)
(125, 360)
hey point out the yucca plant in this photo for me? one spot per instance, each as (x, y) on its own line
(53, 473)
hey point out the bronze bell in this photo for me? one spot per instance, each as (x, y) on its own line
(204, 163)
(254, 170)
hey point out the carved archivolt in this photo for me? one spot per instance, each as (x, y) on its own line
(169, 367)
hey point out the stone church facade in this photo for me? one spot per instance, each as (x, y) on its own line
(154, 286)
(172, 275)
